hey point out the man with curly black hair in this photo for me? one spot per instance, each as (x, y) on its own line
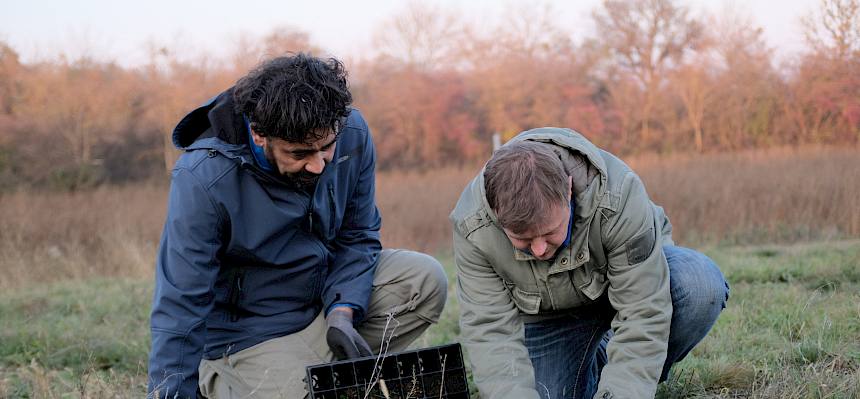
(270, 258)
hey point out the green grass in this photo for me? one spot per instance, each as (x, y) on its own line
(90, 339)
(791, 330)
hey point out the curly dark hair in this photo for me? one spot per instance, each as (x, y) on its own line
(297, 97)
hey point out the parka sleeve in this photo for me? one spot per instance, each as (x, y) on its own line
(186, 270)
(490, 327)
(639, 292)
(357, 245)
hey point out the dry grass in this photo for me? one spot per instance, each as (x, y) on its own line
(783, 195)
(763, 196)
(107, 232)
(92, 383)
(415, 207)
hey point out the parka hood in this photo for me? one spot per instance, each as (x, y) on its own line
(581, 159)
(216, 118)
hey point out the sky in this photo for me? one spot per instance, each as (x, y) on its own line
(121, 30)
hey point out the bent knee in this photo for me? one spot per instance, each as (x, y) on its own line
(417, 278)
(697, 281)
(434, 287)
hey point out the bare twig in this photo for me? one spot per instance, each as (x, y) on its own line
(384, 388)
(376, 375)
(442, 384)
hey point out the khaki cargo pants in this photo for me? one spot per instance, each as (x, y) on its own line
(411, 286)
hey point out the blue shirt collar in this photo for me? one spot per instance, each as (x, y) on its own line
(569, 226)
(258, 152)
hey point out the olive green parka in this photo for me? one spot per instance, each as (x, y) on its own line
(615, 250)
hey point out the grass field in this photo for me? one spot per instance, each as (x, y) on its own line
(791, 330)
(75, 286)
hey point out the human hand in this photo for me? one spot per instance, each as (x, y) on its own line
(345, 342)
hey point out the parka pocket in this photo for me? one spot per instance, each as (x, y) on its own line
(592, 282)
(526, 301)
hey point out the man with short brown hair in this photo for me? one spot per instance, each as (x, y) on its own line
(568, 279)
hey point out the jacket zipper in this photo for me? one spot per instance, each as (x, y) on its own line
(331, 221)
(235, 293)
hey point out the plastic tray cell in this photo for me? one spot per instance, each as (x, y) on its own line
(350, 393)
(433, 385)
(321, 378)
(389, 368)
(394, 388)
(325, 395)
(413, 387)
(429, 361)
(452, 356)
(455, 382)
(364, 370)
(343, 375)
(408, 364)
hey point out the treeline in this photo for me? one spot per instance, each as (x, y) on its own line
(653, 76)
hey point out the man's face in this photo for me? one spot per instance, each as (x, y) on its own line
(544, 239)
(298, 162)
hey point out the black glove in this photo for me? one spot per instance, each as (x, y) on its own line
(342, 338)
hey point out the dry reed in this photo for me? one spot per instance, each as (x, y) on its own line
(782, 195)
(764, 196)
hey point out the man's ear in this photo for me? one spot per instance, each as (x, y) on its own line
(260, 141)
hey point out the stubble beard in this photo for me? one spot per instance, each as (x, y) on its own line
(302, 179)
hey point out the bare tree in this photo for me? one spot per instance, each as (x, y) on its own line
(285, 39)
(532, 31)
(645, 37)
(83, 104)
(423, 36)
(834, 29)
(173, 85)
(693, 85)
(248, 51)
(745, 82)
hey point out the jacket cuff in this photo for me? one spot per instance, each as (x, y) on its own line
(356, 309)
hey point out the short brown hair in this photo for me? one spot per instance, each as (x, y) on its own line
(522, 181)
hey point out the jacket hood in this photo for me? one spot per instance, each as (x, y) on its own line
(582, 160)
(215, 118)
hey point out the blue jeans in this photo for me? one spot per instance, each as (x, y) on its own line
(569, 352)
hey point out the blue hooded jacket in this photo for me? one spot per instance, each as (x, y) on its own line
(245, 256)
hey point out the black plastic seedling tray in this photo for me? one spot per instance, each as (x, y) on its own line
(436, 372)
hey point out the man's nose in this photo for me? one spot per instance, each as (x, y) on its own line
(316, 163)
(538, 247)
